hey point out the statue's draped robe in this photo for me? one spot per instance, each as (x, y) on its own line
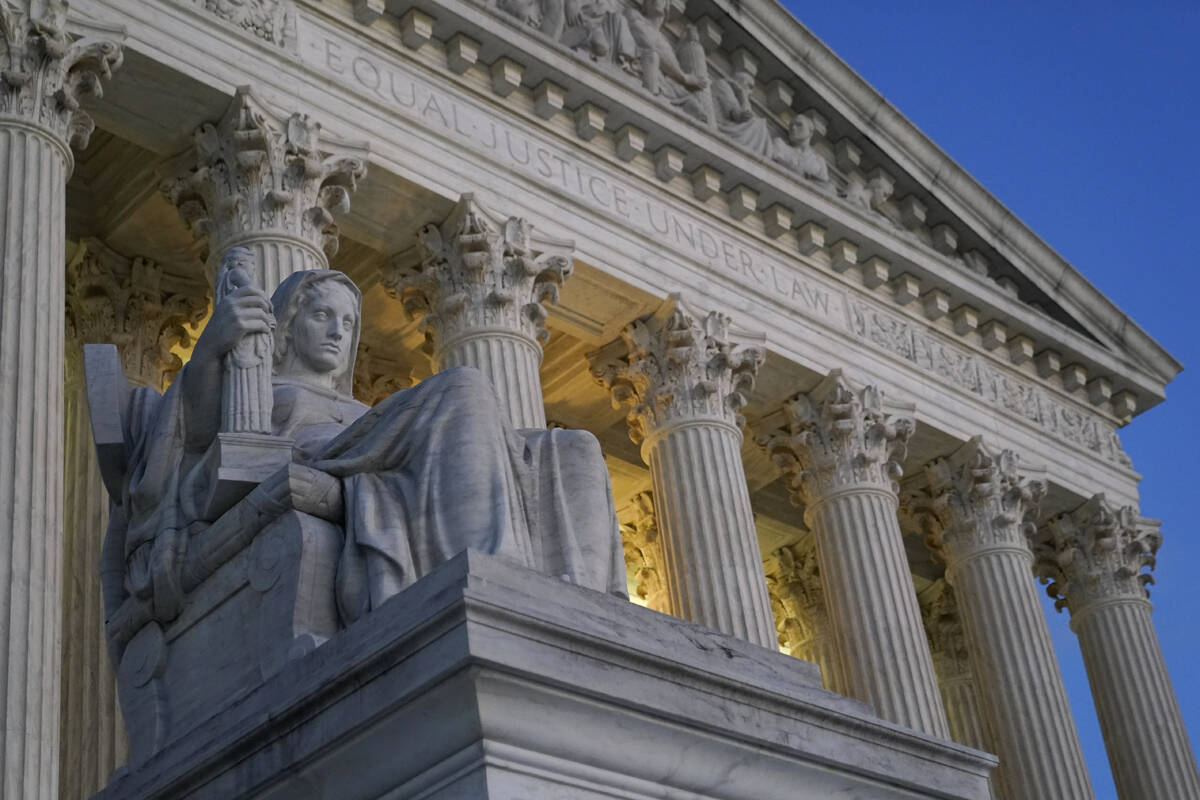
(426, 473)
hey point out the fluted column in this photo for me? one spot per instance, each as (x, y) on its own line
(643, 553)
(950, 660)
(685, 375)
(267, 181)
(45, 75)
(114, 300)
(798, 603)
(983, 505)
(841, 455)
(1094, 559)
(480, 286)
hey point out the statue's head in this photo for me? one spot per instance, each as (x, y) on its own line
(318, 316)
(800, 131)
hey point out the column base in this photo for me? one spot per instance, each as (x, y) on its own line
(486, 680)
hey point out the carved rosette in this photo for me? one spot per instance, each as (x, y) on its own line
(259, 174)
(797, 596)
(123, 302)
(643, 553)
(44, 75)
(1096, 552)
(982, 503)
(677, 366)
(472, 276)
(836, 438)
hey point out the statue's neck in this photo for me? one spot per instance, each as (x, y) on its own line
(303, 382)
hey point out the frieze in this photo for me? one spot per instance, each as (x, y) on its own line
(560, 169)
(272, 21)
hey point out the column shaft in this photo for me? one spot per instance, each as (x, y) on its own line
(1028, 722)
(511, 362)
(92, 740)
(1143, 729)
(962, 711)
(710, 549)
(873, 609)
(277, 256)
(33, 169)
(822, 650)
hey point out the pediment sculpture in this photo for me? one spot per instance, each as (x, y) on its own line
(258, 508)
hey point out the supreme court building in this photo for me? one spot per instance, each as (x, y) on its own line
(852, 408)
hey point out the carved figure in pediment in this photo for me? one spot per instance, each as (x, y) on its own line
(677, 74)
(871, 195)
(736, 117)
(599, 29)
(264, 18)
(797, 154)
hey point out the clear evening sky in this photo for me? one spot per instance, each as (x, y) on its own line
(1084, 120)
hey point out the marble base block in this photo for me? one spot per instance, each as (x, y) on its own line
(486, 680)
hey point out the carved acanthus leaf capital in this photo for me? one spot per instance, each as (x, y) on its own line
(679, 365)
(259, 171)
(943, 625)
(45, 74)
(982, 501)
(643, 552)
(473, 274)
(835, 438)
(377, 377)
(114, 300)
(797, 596)
(1096, 552)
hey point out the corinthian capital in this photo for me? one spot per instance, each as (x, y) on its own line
(797, 596)
(679, 365)
(643, 553)
(835, 438)
(982, 502)
(262, 172)
(130, 303)
(1096, 552)
(943, 624)
(472, 273)
(44, 74)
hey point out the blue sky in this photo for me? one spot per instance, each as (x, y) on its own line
(1084, 119)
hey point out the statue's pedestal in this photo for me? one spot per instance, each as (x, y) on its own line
(485, 681)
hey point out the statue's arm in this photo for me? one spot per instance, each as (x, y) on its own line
(244, 311)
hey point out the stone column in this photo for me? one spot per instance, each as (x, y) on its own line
(798, 603)
(1094, 559)
(841, 454)
(948, 645)
(45, 76)
(480, 287)
(643, 554)
(114, 300)
(983, 505)
(267, 181)
(685, 375)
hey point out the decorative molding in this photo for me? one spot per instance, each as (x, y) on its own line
(272, 21)
(47, 74)
(982, 502)
(835, 438)
(472, 273)
(115, 300)
(1096, 552)
(679, 365)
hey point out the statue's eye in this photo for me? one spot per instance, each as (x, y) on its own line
(319, 315)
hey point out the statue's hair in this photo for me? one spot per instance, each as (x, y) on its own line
(292, 295)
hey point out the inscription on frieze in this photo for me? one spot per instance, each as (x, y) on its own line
(403, 92)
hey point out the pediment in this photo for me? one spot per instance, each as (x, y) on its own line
(746, 107)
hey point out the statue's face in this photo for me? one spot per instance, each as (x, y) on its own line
(322, 331)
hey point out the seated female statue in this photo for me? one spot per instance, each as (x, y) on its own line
(421, 476)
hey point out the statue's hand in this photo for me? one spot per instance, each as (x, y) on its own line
(243, 311)
(307, 490)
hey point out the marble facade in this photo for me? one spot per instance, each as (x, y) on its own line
(847, 410)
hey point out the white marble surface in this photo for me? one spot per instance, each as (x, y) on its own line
(495, 682)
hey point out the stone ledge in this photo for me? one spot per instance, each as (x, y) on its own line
(487, 680)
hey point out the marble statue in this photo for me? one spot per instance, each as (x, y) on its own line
(797, 154)
(736, 117)
(678, 74)
(871, 195)
(421, 476)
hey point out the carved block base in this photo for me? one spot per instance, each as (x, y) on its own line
(236, 463)
(488, 681)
